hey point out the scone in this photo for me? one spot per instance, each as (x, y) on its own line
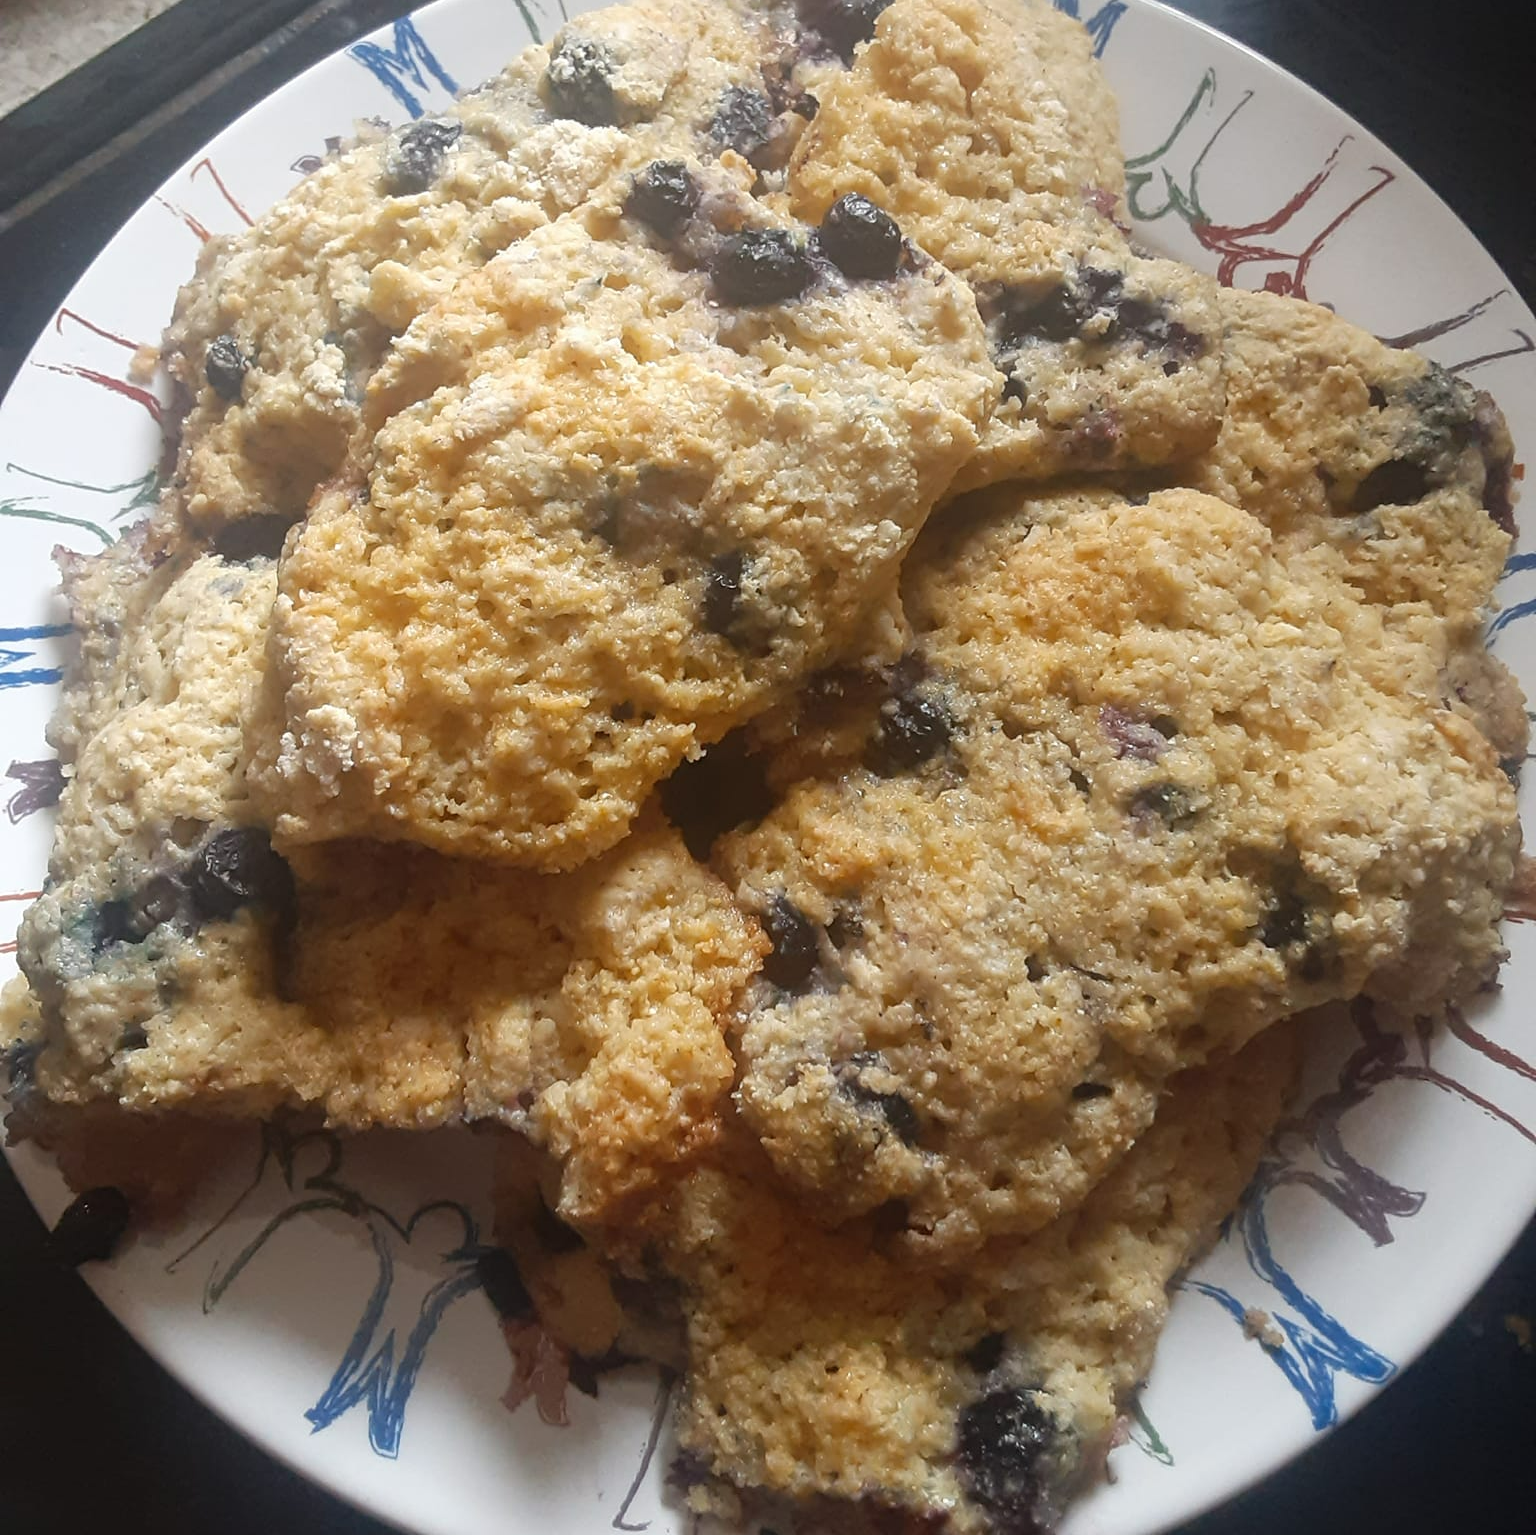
(1136, 792)
(177, 962)
(620, 491)
(1382, 467)
(274, 341)
(991, 138)
(821, 1364)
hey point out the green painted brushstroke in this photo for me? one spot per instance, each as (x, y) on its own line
(528, 21)
(36, 514)
(1146, 1437)
(146, 489)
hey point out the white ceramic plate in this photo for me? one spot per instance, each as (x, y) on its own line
(333, 1315)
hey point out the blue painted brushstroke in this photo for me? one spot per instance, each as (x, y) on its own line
(378, 1370)
(1319, 1347)
(410, 59)
(1518, 562)
(32, 676)
(1510, 615)
(1100, 25)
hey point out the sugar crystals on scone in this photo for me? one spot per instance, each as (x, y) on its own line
(177, 963)
(824, 1364)
(624, 488)
(991, 137)
(1135, 793)
(274, 340)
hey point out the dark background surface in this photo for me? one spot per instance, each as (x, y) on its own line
(93, 1435)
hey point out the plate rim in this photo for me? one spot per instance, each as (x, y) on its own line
(1263, 1461)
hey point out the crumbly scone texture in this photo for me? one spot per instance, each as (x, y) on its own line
(991, 137)
(1368, 461)
(176, 961)
(1135, 793)
(609, 511)
(872, 948)
(299, 310)
(821, 1363)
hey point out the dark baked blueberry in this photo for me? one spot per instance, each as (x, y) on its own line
(761, 266)
(663, 197)
(896, 1110)
(1398, 482)
(1084, 1092)
(225, 367)
(1295, 925)
(986, 1353)
(899, 1115)
(415, 159)
(1285, 922)
(1057, 316)
(112, 922)
(1148, 322)
(1141, 739)
(860, 239)
(578, 82)
(1376, 396)
(1014, 388)
(840, 24)
(914, 727)
(688, 1470)
(725, 788)
(1097, 432)
(1166, 801)
(794, 939)
(158, 899)
(1003, 1439)
(846, 927)
(18, 1066)
(258, 537)
(132, 1038)
(1498, 456)
(743, 121)
(90, 1229)
(238, 867)
(502, 1282)
(722, 592)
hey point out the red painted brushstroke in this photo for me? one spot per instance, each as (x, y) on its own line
(1232, 243)
(205, 164)
(90, 325)
(1448, 1084)
(197, 227)
(106, 381)
(1486, 1047)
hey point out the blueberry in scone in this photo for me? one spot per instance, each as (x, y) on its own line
(1137, 791)
(1380, 465)
(176, 962)
(273, 343)
(620, 491)
(990, 137)
(823, 1364)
